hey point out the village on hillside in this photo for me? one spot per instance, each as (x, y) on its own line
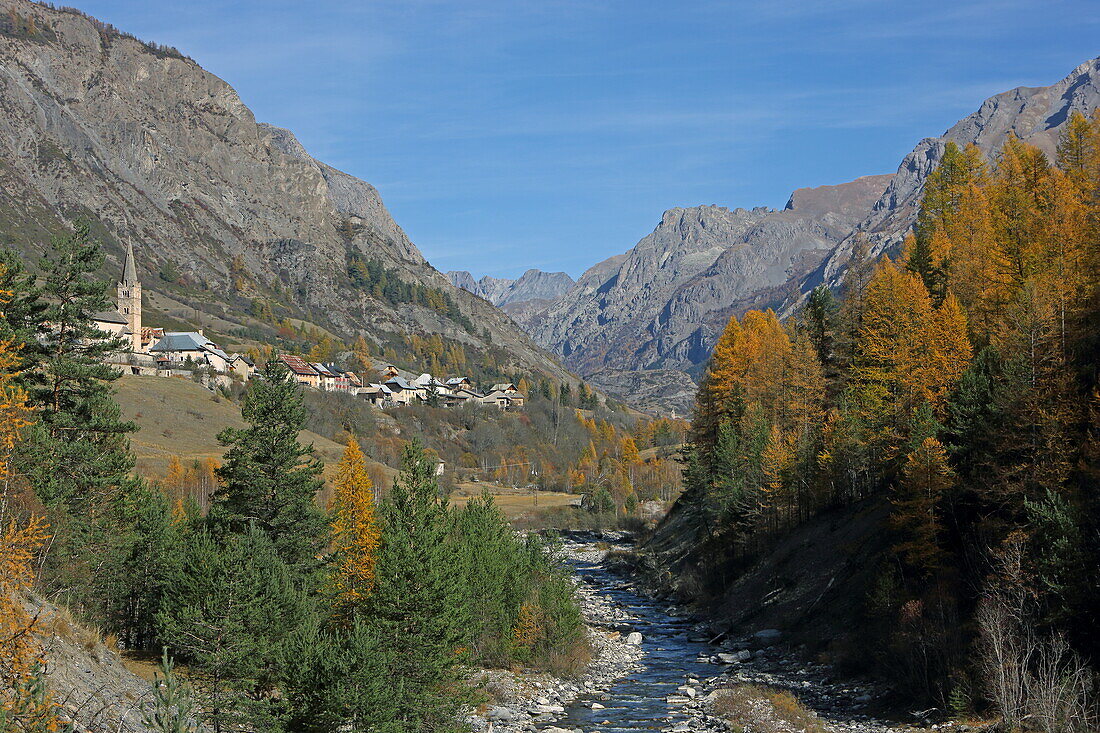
(156, 352)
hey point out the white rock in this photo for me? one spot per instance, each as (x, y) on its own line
(634, 638)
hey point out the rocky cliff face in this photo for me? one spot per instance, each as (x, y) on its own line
(1033, 114)
(532, 285)
(661, 305)
(148, 146)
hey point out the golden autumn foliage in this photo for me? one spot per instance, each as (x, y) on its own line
(756, 361)
(528, 629)
(926, 478)
(908, 352)
(629, 451)
(18, 544)
(355, 530)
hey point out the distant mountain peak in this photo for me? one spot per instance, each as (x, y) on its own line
(532, 285)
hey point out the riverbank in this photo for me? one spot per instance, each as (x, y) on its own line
(672, 678)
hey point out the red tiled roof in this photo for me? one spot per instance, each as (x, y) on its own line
(298, 365)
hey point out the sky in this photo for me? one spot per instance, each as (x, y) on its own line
(554, 133)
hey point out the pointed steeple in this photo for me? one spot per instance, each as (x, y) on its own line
(129, 272)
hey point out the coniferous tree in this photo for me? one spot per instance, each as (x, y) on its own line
(268, 478)
(22, 315)
(418, 604)
(229, 609)
(926, 478)
(820, 319)
(355, 531)
(78, 452)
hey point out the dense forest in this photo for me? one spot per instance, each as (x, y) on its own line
(288, 615)
(958, 382)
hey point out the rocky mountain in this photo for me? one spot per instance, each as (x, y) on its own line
(234, 224)
(1033, 114)
(532, 285)
(660, 305)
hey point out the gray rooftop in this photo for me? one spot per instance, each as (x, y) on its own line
(182, 341)
(109, 317)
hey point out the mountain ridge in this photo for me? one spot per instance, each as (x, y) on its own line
(632, 313)
(534, 284)
(660, 305)
(149, 147)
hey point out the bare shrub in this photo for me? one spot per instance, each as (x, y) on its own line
(1004, 657)
(1060, 690)
(1038, 684)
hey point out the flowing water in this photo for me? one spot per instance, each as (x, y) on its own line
(639, 702)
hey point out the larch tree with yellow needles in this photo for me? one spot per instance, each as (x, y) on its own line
(355, 531)
(24, 703)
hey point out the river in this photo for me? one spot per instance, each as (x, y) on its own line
(640, 701)
(677, 668)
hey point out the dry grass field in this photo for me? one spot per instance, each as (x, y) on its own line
(177, 417)
(515, 503)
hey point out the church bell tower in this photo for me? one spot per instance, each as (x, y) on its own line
(129, 298)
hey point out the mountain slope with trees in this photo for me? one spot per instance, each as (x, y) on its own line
(662, 304)
(942, 417)
(289, 615)
(236, 228)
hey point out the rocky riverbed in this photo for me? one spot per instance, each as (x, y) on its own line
(654, 669)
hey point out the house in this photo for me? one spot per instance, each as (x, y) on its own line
(503, 399)
(178, 348)
(462, 396)
(355, 384)
(431, 386)
(343, 379)
(403, 393)
(150, 336)
(306, 375)
(113, 323)
(459, 383)
(326, 377)
(242, 366)
(389, 371)
(378, 395)
(508, 389)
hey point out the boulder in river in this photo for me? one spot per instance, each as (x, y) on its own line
(634, 638)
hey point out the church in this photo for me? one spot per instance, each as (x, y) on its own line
(126, 320)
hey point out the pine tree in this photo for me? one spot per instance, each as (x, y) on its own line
(355, 531)
(22, 316)
(268, 478)
(820, 319)
(78, 453)
(418, 604)
(230, 607)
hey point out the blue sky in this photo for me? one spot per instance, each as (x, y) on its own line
(554, 133)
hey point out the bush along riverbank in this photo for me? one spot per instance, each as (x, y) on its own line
(526, 700)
